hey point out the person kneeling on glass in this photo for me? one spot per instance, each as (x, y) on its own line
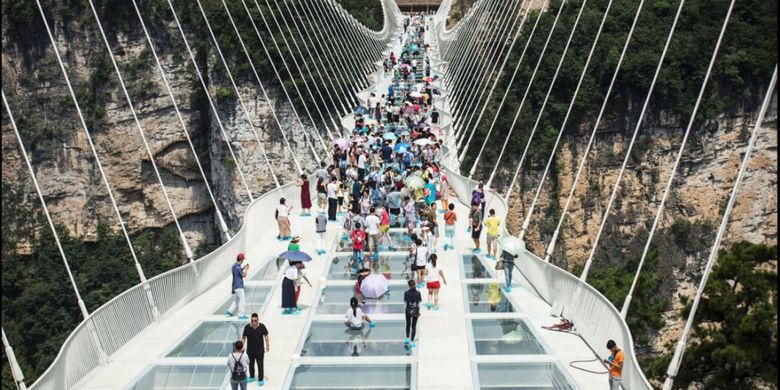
(355, 317)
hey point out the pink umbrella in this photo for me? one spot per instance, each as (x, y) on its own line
(374, 286)
(436, 130)
(342, 143)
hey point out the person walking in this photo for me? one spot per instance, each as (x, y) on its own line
(333, 202)
(238, 362)
(434, 274)
(321, 225)
(303, 182)
(615, 364)
(475, 225)
(254, 334)
(478, 195)
(283, 220)
(239, 271)
(509, 265)
(355, 316)
(445, 193)
(289, 302)
(420, 261)
(412, 298)
(322, 193)
(449, 227)
(372, 230)
(358, 238)
(492, 224)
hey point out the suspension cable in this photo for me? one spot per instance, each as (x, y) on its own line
(672, 174)
(306, 137)
(551, 245)
(508, 87)
(262, 88)
(213, 106)
(527, 218)
(615, 187)
(289, 72)
(38, 191)
(565, 120)
(103, 176)
(182, 237)
(525, 95)
(222, 224)
(674, 364)
(16, 371)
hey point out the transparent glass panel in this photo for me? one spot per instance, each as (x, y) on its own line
(269, 270)
(183, 377)
(255, 299)
(213, 339)
(353, 377)
(335, 300)
(473, 268)
(397, 236)
(521, 376)
(392, 266)
(334, 339)
(487, 298)
(504, 337)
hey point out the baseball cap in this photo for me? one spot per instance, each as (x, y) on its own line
(240, 256)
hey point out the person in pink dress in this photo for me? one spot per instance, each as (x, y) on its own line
(303, 182)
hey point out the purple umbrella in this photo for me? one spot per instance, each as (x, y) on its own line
(374, 286)
(342, 143)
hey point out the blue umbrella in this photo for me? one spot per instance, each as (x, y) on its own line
(390, 136)
(361, 110)
(401, 147)
(295, 256)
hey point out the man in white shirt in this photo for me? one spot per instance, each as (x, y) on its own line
(372, 229)
(332, 189)
(361, 163)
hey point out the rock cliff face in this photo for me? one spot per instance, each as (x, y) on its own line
(67, 170)
(699, 194)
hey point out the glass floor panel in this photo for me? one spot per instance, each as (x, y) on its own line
(255, 299)
(183, 377)
(345, 244)
(210, 339)
(504, 337)
(335, 300)
(334, 339)
(473, 268)
(268, 271)
(396, 266)
(521, 376)
(487, 298)
(353, 377)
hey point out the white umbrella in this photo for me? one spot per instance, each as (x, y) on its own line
(423, 141)
(512, 245)
(374, 286)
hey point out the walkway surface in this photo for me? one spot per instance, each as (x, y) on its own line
(446, 356)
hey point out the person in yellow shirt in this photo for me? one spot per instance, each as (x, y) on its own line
(492, 223)
(615, 365)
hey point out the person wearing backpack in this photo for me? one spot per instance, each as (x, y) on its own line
(238, 362)
(412, 298)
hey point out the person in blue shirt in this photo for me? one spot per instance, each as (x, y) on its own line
(430, 193)
(239, 271)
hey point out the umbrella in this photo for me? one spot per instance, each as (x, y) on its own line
(409, 110)
(295, 256)
(436, 130)
(415, 94)
(390, 136)
(423, 141)
(405, 66)
(374, 286)
(401, 147)
(361, 110)
(404, 132)
(342, 143)
(375, 306)
(359, 140)
(512, 245)
(414, 182)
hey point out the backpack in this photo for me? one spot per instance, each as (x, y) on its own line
(239, 372)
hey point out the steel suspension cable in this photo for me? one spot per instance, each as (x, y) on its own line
(475, 81)
(678, 158)
(525, 95)
(482, 85)
(262, 88)
(289, 72)
(220, 218)
(103, 176)
(608, 208)
(340, 24)
(541, 110)
(213, 106)
(458, 57)
(508, 87)
(82, 306)
(348, 61)
(311, 75)
(556, 233)
(530, 212)
(16, 371)
(142, 134)
(679, 351)
(292, 79)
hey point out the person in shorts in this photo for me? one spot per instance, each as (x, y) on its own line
(492, 223)
(475, 221)
(434, 276)
(449, 227)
